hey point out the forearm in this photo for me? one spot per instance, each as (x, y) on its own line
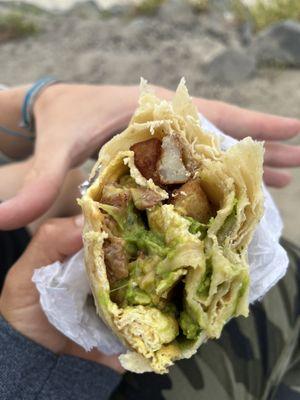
(32, 372)
(11, 101)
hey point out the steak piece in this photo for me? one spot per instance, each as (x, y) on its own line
(115, 258)
(144, 198)
(114, 195)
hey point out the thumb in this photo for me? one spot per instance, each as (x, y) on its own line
(40, 189)
(55, 240)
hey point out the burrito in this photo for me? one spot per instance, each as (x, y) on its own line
(168, 219)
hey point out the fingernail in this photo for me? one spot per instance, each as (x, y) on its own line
(79, 220)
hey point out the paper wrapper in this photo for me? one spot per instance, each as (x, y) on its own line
(65, 293)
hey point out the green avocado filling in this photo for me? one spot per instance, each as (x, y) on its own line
(157, 271)
(204, 286)
(197, 227)
(229, 224)
(133, 231)
(189, 327)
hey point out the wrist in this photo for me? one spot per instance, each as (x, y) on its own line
(35, 328)
(48, 96)
(11, 101)
(28, 121)
(94, 355)
(14, 97)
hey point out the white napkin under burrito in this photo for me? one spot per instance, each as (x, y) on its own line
(65, 292)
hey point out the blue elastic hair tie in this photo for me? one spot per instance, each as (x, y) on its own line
(27, 117)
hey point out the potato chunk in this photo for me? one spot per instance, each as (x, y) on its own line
(171, 168)
(191, 201)
(146, 156)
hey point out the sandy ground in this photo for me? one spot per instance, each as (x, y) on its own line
(66, 4)
(162, 49)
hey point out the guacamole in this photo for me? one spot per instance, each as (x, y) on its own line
(165, 252)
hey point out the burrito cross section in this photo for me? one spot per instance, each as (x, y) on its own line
(168, 219)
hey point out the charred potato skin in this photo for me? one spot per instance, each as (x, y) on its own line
(146, 157)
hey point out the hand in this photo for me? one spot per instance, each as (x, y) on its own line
(74, 120)
(239, 123)
(19, 301)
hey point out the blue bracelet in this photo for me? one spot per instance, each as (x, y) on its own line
(15, 133)
(27, 121)
(10, 132)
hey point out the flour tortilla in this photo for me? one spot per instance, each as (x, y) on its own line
(231, 179)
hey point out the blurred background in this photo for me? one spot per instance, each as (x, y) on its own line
(244, 52)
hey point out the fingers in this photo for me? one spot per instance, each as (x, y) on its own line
(55, 240)
(282, 155)
(41, 187)
(277, 179)
(239, 123)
